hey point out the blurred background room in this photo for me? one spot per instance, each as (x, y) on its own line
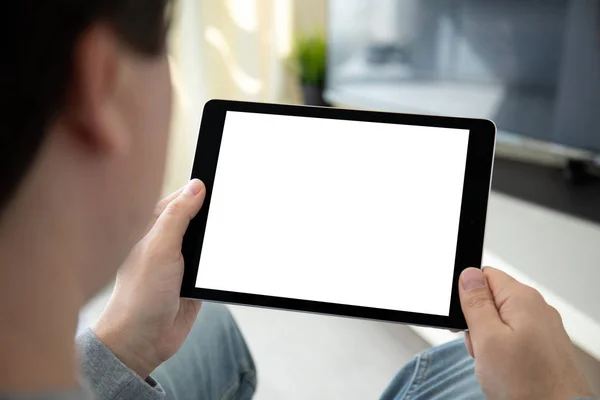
(532, 66)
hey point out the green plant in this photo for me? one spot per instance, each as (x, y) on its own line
(309, 59)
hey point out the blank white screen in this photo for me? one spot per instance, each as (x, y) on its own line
(347, 212)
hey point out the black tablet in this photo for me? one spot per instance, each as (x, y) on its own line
(344, 212)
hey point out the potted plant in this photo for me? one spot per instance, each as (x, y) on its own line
(309, 60)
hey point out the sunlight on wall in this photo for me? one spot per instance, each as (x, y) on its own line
(236, 49)
(283, 26)
(246, 83)
(243, 13)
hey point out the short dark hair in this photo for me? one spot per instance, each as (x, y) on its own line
(37, 60)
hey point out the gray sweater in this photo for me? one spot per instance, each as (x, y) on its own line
(108, 378)
(104, 377)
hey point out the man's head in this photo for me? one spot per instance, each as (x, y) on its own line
(86, 103)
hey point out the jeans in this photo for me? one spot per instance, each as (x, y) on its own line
(214, 363)
(443, 372)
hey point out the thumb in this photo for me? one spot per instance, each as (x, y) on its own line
(175, 218)
(477, 303)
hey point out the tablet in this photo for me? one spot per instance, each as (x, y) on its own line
(344, 212)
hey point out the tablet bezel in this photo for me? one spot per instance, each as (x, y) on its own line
(469, 247)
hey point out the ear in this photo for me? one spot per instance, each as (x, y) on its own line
(91, 110)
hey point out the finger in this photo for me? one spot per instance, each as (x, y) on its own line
(498, 282)
(469, 345)
(160, 207)
(174, 220)
(514, 300)
(477, 303)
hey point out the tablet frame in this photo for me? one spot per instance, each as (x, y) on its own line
(469, 249)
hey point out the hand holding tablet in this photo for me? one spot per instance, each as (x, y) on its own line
(353, 213)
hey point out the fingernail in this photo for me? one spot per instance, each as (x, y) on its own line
(472, 278)
(193, 187)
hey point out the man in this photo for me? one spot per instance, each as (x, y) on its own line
(86, 106)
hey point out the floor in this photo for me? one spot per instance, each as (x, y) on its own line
(303, 356)
(307, 356)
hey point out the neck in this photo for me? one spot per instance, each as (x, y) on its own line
(39, 305)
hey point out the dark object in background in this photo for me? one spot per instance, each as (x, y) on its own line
(545, 186)
(578, 172)
(386, 53)
(313, 95)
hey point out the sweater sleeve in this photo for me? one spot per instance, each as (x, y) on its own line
(107, 377)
